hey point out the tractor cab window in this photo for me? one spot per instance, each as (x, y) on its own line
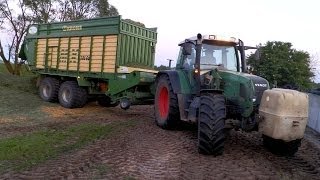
(189, 60)
(211, 55)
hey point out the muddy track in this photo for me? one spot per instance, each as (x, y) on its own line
(148, 152)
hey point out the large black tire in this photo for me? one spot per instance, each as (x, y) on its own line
(211, 122)
(49, 89)
(280, 147)
(166, 106)
(105, 101)
(71, 95)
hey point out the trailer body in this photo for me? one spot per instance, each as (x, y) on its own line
(106, 55)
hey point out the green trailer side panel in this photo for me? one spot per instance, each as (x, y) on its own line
(135, 52)
(86, 27)
(70, 41)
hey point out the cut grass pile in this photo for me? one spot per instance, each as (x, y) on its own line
(21, 152)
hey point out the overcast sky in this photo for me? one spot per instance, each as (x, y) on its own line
(253, 21)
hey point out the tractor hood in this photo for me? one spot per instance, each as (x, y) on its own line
(260, 85)
(240, 84)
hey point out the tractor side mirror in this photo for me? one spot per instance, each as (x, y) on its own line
(187, 49)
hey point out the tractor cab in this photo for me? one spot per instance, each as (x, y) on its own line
(217, 64)
(216, 51)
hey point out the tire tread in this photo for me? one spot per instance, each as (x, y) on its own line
(212, 115)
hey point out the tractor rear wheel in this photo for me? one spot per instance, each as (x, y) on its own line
(105, 101)
(166, 106)
(48, 89)
(280, 147)
(211, 122)
(71, 95)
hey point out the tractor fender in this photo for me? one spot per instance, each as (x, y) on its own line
(174, 79)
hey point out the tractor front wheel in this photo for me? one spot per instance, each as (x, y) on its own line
(166, 106)
(211, 121)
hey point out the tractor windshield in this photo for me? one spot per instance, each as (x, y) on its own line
(215, 55)
(218, 55)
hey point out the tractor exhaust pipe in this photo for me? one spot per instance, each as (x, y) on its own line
(197, 64)
(243, 57)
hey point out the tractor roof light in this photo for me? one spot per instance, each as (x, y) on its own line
(220, 38)
(213, 38)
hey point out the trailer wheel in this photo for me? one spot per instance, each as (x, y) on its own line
(105, 101)
(71, 95)
(166, 106)
(280, 147)
(49, 89)
(211, 121)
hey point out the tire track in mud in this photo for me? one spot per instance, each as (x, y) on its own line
(148, 152)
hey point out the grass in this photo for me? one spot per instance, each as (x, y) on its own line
(21, 106)
(21, 152)
(17, 103)
(17, 97)
(24, 70)
(26, 82)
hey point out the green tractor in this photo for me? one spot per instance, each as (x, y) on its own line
(210, 86)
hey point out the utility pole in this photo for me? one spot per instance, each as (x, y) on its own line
(169, 62)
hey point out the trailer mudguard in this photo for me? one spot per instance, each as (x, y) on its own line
(174, 79)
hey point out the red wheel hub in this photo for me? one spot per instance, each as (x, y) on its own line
(163, 102)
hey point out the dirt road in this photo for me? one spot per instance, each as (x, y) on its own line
(147, 152)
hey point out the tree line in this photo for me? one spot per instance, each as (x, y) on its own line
(284, 66)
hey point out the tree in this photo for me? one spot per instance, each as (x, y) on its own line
(161, 68)
(85, 9)
(105, 9)
(281, 63)
(76, 9)
(43, 11)
(46, 11)
(15, 24)
(135, 22)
